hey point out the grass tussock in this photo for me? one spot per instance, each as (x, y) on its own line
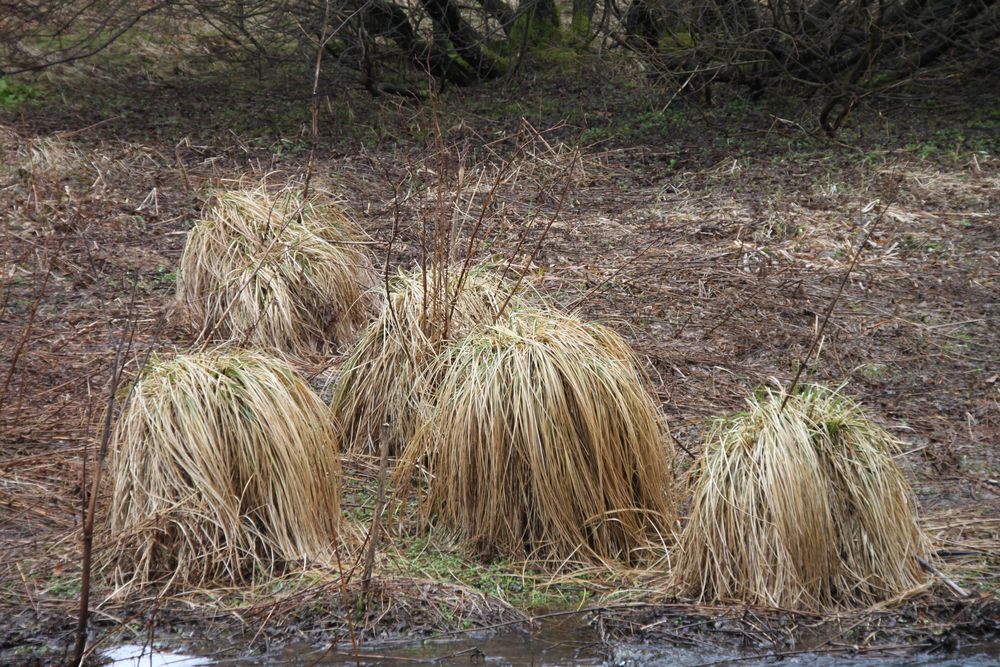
(800, 508)
(224, 467)
(50, 157)
(276, 271)
(383, 382)
(543, 442)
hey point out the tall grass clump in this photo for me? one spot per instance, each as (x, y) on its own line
(542, 441)
(276, 271)
(224, 468)
(801, 507)
(383, 382)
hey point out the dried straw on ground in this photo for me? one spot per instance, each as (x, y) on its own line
(543, 442)
(383, 382)
(224, 468)
(275, 271)
(800, 508)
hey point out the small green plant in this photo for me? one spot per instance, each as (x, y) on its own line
(164, 275)
(925, 150)
(873, 371)
(512, 582)
(593, 135)
(13, 93)
(64, 587)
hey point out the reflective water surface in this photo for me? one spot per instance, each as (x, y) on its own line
(551, 644)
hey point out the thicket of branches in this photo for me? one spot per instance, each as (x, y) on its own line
(841, 49)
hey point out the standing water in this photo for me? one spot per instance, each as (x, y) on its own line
(552, 643)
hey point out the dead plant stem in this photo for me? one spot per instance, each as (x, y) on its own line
(376, 528)
(28, 326)
(541, 239)
(91, 507)
(314, 104)
(833, 302)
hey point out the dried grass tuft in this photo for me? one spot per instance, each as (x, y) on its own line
(50, 157)
(800, 508)
(276, 271)
(383, 382)
(543, 442)
(224, 468)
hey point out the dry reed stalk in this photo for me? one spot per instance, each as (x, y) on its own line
(225, 468)
(276, 271)
(542, 441)
(800, 508)
(51, 157)
(387, 375)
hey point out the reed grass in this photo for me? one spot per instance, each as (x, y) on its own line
(385, 379)
(800, 508)
(224, 468)
(543, 442)
(275, 271)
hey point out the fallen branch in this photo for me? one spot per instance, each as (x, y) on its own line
(959, 591)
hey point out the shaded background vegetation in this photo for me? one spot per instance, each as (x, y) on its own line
(830, 53)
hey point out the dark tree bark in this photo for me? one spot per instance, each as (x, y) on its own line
(501, 12)
(537, 25)
(583, 17)
(641, 26)
(386, 19)
(466, 40)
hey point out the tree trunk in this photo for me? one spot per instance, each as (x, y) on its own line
(463, 37)
(583, 16)
(501, 13)
(640, 25)
(537, 25)
(389, 20)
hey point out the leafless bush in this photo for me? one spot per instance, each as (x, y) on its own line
(842, 49)
(836, 51)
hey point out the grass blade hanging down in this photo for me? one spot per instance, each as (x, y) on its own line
(225, 468)
(543, 442)
(275, 271)
(800, 508)
(386, 376)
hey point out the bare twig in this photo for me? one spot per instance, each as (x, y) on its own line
(376, 528)
(961, 592)
(833, 302)
(26, 330)
(541, 238)
(124, 342)
(314, 126)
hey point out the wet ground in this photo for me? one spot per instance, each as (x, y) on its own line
(554, 644)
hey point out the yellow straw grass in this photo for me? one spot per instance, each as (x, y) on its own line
(383, 382)
(800, 508)
(543, 442)
(224, 468)
(276, 271)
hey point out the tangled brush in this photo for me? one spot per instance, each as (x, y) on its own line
(383, 382)
(276, 271)
(225, 467)
(801, 507)
(542, 441)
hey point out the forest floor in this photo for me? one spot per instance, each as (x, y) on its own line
(714, 237)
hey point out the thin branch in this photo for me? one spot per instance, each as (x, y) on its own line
(833, 302)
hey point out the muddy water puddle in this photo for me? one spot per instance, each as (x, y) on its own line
(550, 644)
